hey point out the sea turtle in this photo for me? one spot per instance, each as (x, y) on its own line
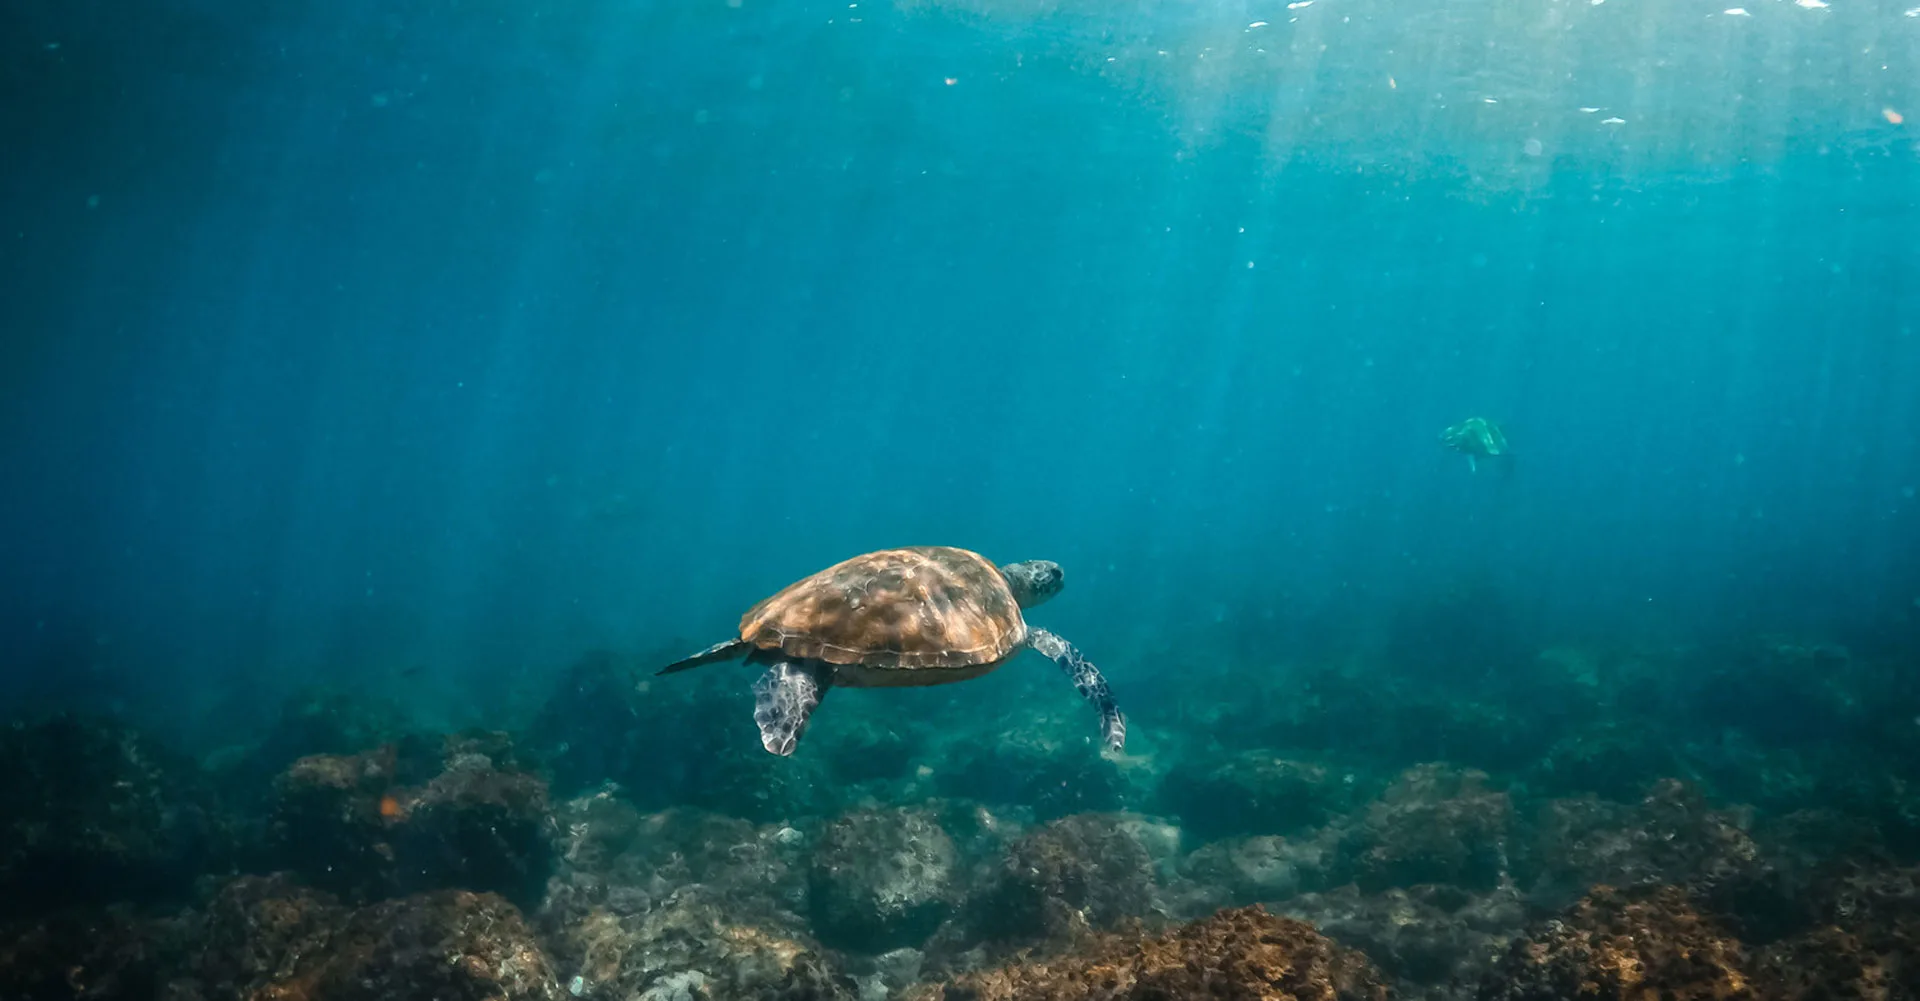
(1475, 436)
(924, 615)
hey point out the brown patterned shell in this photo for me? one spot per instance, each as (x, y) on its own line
(924, 607)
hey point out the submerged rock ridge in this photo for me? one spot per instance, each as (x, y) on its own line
(1561, 830)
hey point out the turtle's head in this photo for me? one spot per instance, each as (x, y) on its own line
(1034, 581)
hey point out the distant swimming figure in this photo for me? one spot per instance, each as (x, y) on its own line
(1475, 436)
(924, 615)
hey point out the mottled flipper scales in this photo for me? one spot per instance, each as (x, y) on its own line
(783, 701)
(1087, 678)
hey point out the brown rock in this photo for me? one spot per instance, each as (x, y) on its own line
(1235, 955)
(1435, 824)
(1614, 946)
(255, 930)
(356, 826)
(697, 944)
(449, 945)
(1087, 871)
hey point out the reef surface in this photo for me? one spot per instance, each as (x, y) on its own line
(1702, 824)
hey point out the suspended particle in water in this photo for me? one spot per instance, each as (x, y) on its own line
(1533, 147)
(1893, 117)
(1735, 12)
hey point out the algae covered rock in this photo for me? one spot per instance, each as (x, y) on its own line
(91, 812)
(1671, 836)
(357, 826)
(1435, 824)
(1615, 946)
(449, 944)
(1077, 873)
(881, 879)
(1870, 962)
(1864, 942)
(478, 826)
(1235, 955)
(1427, 935)
(106, 954)
(333, 817)
(701, 945)
(1250, 870)
(269, 939)
(253, 932)
(679, 904)
(619, 865)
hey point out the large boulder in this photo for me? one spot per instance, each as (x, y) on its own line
(1435, 824)
(403, 818)
(882, 879)
(1075, 874)
(91, 813)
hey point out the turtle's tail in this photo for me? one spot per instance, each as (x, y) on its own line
(714, 654)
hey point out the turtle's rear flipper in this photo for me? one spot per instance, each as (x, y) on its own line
(1087, 678)
(711, 655)
(783, 701)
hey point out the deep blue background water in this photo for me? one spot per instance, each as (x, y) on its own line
(442, 341)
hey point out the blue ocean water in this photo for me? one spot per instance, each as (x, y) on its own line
(452, 338)
(388, 389)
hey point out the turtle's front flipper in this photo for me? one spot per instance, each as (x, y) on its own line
(1086, 677)
(783, 700)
